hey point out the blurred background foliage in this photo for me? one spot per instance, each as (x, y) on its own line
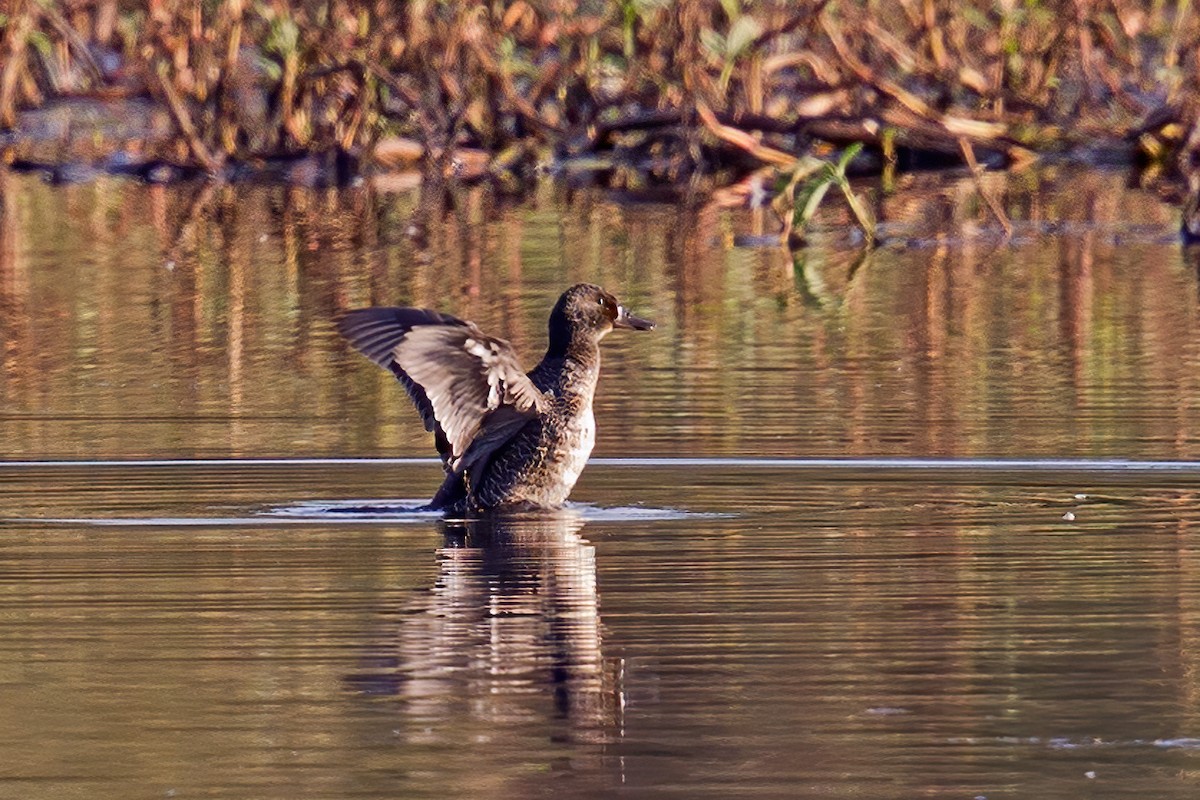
(676, 88)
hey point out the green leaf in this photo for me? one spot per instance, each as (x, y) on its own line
(283, 37)
(809, 198)
(647, 7)
(741, 35)
(811, 193)
(866, 220)
(41, 42)
(847, 156)
(713, 42)
(270, 67)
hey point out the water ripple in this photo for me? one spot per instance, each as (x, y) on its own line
(831, 464)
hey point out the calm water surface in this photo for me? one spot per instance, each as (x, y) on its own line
(922, 524)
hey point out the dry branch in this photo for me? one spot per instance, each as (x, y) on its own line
(745, 141)
(1013, 79)
(184, 120)
(977, 174)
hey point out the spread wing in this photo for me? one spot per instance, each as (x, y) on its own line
(459, 378)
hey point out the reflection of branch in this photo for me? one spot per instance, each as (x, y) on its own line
(9, 288)
(184, 238)
(856, 267)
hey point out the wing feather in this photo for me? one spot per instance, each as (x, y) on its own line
(458, 377)
(375, 332)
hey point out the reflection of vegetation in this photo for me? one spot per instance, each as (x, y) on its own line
(800, 196)
(209, 313)
(811, 282)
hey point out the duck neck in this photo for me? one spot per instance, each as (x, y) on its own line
(571, 366)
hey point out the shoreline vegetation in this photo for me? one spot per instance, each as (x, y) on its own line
(746, 101)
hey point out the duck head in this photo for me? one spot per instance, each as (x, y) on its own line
(586, 310)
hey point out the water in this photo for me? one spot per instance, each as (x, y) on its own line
(920, 526)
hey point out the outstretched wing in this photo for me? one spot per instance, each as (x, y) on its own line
(457, 376)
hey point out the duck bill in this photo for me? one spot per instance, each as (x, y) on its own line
(630, 322)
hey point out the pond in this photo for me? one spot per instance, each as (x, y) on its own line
(913, 523)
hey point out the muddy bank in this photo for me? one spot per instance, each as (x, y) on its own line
(76, 138)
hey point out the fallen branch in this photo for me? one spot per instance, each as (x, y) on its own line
(747, 142)
(184, 120)
(977, 174)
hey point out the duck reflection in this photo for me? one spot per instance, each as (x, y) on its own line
(509, 633)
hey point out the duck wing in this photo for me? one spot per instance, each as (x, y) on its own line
(466, 385)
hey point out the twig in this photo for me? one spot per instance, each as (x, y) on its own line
(958, 127)
(20, 23)
(799, 20)
(184, 120)
(519, 103)
(745, 141)
(867, 75)
(73, 38)
(410, 98)
(977, 174)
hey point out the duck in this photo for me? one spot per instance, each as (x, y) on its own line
(508, 439)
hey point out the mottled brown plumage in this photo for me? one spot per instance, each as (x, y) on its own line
(507, 438)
